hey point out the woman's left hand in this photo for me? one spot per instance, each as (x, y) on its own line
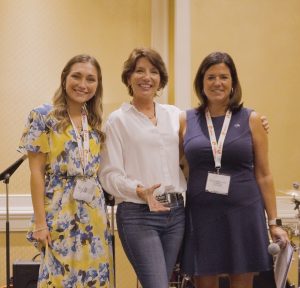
(279, 236)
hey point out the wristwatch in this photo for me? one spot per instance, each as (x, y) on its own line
(275, 222)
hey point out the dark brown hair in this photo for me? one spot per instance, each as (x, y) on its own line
(153, 57)
(210, 60)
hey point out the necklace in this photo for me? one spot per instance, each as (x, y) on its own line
(148, 116)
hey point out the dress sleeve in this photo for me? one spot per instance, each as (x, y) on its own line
(35, 137)
(112, 172)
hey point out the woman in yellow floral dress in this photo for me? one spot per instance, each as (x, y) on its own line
(70, 222)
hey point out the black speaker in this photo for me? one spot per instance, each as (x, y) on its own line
(25, 274)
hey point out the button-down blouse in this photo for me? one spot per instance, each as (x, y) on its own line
(137, 152)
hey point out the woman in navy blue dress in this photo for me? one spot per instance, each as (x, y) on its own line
(230, 185)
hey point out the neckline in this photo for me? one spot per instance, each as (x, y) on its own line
(151, 117)
(217, 117)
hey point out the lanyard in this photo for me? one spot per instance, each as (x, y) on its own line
(85, 146)
(217, 146)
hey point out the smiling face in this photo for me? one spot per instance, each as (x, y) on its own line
(81, 83)
(217, 84)
(145, 79)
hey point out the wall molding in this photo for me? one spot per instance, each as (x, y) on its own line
(182, 55)
(20, 212)
(286, 210)
(159, 35)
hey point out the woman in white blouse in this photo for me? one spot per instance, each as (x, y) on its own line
(140, 167)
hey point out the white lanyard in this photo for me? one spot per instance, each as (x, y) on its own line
(217, 146)
(84, 147)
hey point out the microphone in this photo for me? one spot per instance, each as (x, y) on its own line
(274, 248)
(12, 168)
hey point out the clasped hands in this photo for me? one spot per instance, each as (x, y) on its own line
(146, 194)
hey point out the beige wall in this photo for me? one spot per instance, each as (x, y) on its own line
(37, 37)
(263, 37)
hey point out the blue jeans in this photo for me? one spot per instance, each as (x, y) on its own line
(151, 241)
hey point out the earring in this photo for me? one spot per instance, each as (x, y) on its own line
(130, 90)
(159, 92)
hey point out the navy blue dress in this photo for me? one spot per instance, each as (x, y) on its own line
(224, 233)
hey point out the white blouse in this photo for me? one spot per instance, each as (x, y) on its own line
(136, 152)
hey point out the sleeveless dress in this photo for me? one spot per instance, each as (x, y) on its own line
(224, 233)
(81, 252)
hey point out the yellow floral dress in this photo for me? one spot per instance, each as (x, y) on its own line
(81, 250)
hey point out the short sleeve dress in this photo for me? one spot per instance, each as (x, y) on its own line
(224, 233)
(81, 252)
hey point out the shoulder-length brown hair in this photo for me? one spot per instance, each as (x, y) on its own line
(155, 59)
(94, 105)
(236, 93)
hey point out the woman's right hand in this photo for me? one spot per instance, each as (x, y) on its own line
(42, 236)
(146, 194)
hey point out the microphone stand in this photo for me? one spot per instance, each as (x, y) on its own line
(6, 181)
(5, 176)
(110, 201)
(113, 240)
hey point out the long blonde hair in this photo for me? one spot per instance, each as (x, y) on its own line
(94, 105)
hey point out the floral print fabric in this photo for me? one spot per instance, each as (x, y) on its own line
(81, 250)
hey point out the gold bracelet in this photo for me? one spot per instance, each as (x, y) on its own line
(40, 229)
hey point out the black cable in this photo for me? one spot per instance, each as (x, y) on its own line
(33, 259)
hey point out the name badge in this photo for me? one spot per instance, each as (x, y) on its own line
(85, 189)
(217, 183)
